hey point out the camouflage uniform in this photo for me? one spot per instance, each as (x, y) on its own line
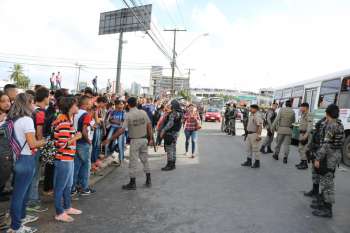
(232, 120)
(270, 117)
(332, 141)
(170, 147)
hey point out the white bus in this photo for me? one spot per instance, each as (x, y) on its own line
(319, 93)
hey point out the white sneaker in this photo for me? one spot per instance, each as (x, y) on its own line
(186, 154)
(29, 219)
(23, 229)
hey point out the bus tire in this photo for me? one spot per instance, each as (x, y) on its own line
(346, 151)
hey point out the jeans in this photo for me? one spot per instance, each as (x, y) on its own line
(34, 198)
(193, 136)
(82, 166)
(63, 181)
(96, 143)
(23, 176)
(120, 140)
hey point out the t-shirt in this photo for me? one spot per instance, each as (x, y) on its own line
(86, 121)
(136, 122)
(149, 109)
(22, 126)
(39, 117)
(117, 115)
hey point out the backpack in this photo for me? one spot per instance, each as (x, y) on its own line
(11, 148)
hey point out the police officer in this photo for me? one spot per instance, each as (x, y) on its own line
(232, 120)
(327, 159)
(245, 116)
(270, 117)
(305, 128)
(227, 118)
(140, 133)
(169, 133)
(313, 148)
(253, 139)
(283, 124)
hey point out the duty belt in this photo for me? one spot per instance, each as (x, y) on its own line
(144, 137)
(250, 132)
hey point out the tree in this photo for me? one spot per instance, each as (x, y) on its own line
(18, 76)
(184, 94)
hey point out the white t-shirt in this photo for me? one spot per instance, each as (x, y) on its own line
(22, 126)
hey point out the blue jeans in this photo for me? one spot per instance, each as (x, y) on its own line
(193, 136)
(23, 176)
(62, 183)
(120, 141)
(34, 187)
(82, 166)
(96, 143)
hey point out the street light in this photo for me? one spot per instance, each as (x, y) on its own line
(192, 42)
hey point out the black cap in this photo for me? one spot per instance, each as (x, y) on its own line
(255, 106)
(306, 105)
(333, 111)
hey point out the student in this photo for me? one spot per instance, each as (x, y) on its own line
(41, 101)
(82, 162)
(24, 169)
(5, 105)
(66, 138)
(11, 91)
(191, 125)
(116, 120)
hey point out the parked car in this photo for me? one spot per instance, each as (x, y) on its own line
(213, 114)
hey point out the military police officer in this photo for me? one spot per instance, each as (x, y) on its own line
(253, 139)
(305, 128)
(270, 117)
(283, 124)
(140, 133)
(232, 120)
(327, 159)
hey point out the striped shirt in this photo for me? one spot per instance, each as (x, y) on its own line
(64, 131)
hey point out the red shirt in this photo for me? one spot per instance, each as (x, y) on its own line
(191, 122)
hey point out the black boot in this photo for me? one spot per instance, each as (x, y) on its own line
(148, 183)
(303, 165)
(269, 151)
(313, 192)
(275, 156)
(170, 166)
(174, 165)
(285, 160)
(262, 150)
(325, 212)
(131, 185)
(247, 163)
(256, 164)
(318, 205)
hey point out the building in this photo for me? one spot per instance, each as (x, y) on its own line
(161, 84)
(135, 89)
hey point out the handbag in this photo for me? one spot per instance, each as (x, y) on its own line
(48, 152)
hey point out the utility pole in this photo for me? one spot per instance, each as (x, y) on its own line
(79, 68)
(173, 63)
(119, 65)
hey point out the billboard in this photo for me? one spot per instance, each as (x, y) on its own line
(126, 20)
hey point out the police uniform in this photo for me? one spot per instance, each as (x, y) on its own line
(305, 128)
(136, 122)
(252, 144)
(284, 124)
(232, 120)
(270, 117)
(329, 156)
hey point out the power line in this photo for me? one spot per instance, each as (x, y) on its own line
(180, 12)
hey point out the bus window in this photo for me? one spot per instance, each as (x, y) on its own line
(296, 102)
(345, 94)
(325, 100)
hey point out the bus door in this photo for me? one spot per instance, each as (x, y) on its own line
(310, 97)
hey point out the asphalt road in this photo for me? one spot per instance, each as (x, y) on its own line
(211, 194)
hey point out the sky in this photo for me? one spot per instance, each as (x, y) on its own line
(252, 44)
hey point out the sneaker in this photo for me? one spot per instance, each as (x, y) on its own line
(64, 218)
(29, 219)
(186, 153)
(36, 208)
(87, 192)
(73, 211)
(23, 229)
(74, 193)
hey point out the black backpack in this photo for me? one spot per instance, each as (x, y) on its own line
(6, 157)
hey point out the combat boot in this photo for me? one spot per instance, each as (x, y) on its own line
(285, 160)
(269, 151)
(148, 183)
(262, 150)
(275, 156)
(256, 164)
(325, 212)
(131, 185)
(313, 192)
(169, 167)
(247, 163)
(303, 165)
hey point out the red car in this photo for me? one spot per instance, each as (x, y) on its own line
(212, 114)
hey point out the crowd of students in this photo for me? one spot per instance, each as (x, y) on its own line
(72, 127)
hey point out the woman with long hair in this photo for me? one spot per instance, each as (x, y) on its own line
(65, 140)
(20, 113)
(191, 125)
(5, 105)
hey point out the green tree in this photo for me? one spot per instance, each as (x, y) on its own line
(185, 94)
(18, 76)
